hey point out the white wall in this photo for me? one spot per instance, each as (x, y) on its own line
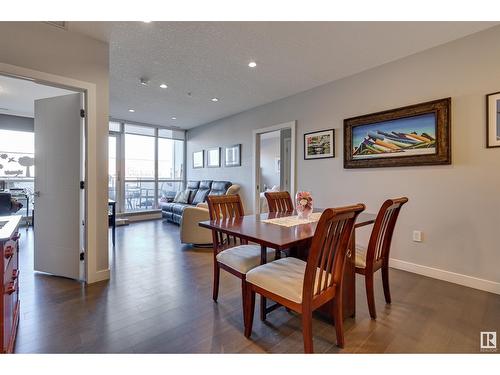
(47, 49)
(456, 206)
(269, 151)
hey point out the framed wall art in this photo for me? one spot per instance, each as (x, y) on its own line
(232, 156)
(319, 144)
(493, 120)
(409, 136)
(198, 159)
(213, 157)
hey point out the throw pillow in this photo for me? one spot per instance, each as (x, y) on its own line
(182, 196)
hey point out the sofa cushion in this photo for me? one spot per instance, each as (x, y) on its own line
(201, 196)
(178, 208)
(192, 186)
(219, 187)
(205, 184)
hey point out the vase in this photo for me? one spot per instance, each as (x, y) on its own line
(303, 204)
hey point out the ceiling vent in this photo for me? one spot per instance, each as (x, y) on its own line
(60, 24)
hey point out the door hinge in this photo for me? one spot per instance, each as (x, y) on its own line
(82, 185)
(82, 113)
(82, 256)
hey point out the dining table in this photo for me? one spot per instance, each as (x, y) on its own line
(296, 239)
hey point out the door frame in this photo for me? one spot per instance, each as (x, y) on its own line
(256, 159)
(92, 207)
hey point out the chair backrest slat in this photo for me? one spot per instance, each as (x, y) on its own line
(279, 201)
(224, 207)
(380, 240)
(329, 249)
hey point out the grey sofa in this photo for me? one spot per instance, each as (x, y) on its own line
(198, 192)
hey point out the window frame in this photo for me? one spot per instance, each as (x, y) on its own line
(120, 167)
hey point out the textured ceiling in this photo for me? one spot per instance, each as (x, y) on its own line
(209, 59)
(17, 96)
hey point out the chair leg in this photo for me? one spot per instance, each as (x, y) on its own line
(339, 319)
(216, 280)
(248, 309)
(385, 282)
(370, 295)
(307, 331)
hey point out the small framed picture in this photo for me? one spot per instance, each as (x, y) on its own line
(493, 120)
(198, 160)
(232, 157)
(213, 157)
(319, 145)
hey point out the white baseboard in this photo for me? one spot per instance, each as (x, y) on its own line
(143, 216)
(452, 277)
(97, 276)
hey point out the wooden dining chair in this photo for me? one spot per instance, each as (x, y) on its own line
(376, 255)
(305, 286)
(232, 254)
(279, 201)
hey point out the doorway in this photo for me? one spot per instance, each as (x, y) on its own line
(43, 141)
(274, 162)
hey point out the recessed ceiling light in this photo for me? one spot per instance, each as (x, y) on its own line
(131, 110)
(146, 21)
(163, 86)
(174, 118)
(214, 100)
(144, 81)
(252, 64)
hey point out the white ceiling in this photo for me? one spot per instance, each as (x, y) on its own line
(209, 59)
(17, 96)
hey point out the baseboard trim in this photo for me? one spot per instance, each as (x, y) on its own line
(452, 277)
(97, 276)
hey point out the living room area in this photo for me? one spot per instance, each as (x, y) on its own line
(236, 187)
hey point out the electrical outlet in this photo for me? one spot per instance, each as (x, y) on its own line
(417, 236)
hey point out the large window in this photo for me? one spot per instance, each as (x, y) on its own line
(152, 160)
(17, 161)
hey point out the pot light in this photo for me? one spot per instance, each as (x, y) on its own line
(252, 64)
(163, 86)
(214, 100)
(144, 81)
(174, 118)
(146, 21)
(131, 110)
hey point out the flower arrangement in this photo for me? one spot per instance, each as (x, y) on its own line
(304, 204)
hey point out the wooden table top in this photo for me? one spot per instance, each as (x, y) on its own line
(251, 228)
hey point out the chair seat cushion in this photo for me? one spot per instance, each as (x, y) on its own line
(360, 259)
(243, 258)
(283, 277)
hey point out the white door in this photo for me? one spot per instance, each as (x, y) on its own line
(286, 165)
(58, 140)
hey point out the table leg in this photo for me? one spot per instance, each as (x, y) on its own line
(263, 303)
(114, 223)
(349, 283)
(27, 211)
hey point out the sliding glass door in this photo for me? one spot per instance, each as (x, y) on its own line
(152, 161)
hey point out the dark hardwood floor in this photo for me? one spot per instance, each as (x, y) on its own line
(159, 300)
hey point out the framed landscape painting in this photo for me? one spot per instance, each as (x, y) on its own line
(493, 120)
(319, 145)
(409, 136)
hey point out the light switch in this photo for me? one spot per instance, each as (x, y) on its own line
(417, 236)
